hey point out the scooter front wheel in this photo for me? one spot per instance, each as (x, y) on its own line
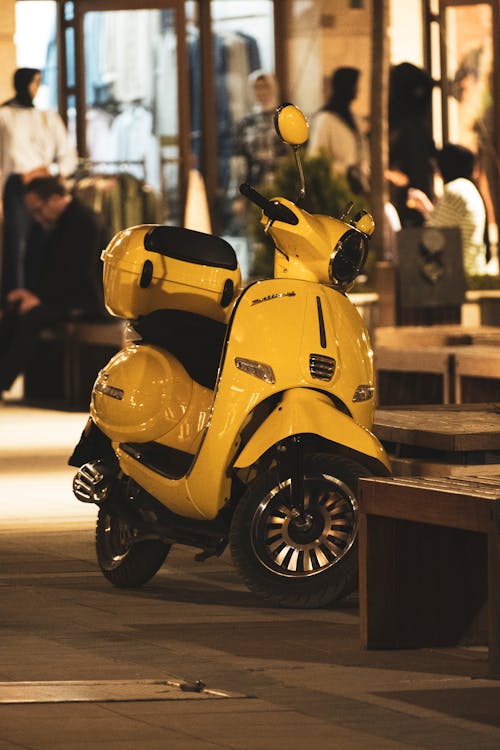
(300, 559)
(124, 562)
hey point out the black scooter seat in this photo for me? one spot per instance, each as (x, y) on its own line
(191, 246)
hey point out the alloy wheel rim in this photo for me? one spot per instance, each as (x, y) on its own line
(294, 547)
(115, 542)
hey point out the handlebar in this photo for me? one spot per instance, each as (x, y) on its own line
(272, 209)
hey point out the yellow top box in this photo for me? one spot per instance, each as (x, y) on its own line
(154, 267)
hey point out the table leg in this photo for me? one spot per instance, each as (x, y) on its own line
(494, 600)
(421, 585)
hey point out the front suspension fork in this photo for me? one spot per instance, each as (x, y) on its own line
(291, 466)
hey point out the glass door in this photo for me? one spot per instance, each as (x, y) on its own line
(469, 65)
(468, 92)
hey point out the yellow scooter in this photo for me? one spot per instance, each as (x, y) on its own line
(237, 417)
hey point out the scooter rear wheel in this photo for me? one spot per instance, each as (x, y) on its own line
(125, 563)
(297, 560)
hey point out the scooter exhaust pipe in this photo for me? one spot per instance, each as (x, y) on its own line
(92, 483)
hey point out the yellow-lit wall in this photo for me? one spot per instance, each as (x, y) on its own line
(320, 38)
(7, 47)
(347, 42)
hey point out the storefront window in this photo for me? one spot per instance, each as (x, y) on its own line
(131, 97)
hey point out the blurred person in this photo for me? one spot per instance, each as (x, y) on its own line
(338, 134)
(255, 138)
(256, 156)
(33, 143)
(63, 274)
(411, 145)
(461, 205)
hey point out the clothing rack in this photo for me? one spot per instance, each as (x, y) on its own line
(121, 164)
(232, 19)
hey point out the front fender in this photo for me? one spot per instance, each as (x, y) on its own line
(303, 410)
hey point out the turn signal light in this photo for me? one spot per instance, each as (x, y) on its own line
(363, 393)
(257, 369)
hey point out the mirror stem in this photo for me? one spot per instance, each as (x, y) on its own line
(298, 162)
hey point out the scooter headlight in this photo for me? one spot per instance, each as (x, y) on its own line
(348, 257)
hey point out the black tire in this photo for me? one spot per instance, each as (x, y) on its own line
(125, 563)
(296, 567)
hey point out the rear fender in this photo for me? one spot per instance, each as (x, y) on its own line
(93, 445)
(305, 411)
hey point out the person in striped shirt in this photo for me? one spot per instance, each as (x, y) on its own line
(460, 205)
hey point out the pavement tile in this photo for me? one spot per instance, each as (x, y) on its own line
(167, 741)
(311, 684)
(289, 729)
(223, 709)
(42, 729)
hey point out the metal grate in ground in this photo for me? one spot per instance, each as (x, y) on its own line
(103, 691)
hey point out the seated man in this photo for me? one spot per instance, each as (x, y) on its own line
(63, 274)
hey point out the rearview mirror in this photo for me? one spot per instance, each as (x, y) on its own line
(291, 125)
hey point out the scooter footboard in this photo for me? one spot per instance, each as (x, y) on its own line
(305, 411)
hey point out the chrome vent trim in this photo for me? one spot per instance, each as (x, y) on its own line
(321, 367)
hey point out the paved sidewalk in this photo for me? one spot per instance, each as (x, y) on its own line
(104, 667)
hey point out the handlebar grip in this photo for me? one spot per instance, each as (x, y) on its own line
(249, 192)
(272, 209)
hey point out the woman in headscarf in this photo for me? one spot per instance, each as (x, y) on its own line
(257, 150)
(337, 133)
(255, 138)
(33, 143)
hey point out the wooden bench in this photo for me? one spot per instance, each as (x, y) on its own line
(70, 357)
(420, 375)
(488, 304)
(400, 337)
(477, 374)
(429, 552)
(437, 364)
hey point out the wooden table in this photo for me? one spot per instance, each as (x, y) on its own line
(430, 564)
(441, 440)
